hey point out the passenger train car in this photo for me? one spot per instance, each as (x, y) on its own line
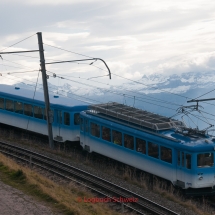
(153, 143)
(19, 107)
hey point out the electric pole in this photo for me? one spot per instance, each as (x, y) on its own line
(49, 114)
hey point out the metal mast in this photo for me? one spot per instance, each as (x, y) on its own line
(49, 114)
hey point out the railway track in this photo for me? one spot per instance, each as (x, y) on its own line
(126, 200)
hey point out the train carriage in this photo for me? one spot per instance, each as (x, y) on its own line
(150, 142)
(25, 109)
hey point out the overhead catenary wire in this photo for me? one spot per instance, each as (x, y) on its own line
(126, 78)
(125, 89)
(17, 42)
(35, 88)
(67, 50)
(204, 94)
(122, 77)
(127, 96)
(83, 97)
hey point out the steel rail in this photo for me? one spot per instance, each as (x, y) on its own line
(52, 165)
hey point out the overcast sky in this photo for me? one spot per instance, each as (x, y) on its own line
(135, 38)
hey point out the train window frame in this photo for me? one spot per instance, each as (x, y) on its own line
(116, 137)
(203, 162)
(188, 160)
(26, 111)
(129, 141)
(18, 107)
(153, 153)
(138, 148)
(76, 118)
(9, 102)
(165, 154)
(40, 114)
(2, 103)
(106, 134)
(66, 118)
(95, 130)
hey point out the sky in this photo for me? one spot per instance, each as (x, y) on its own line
(135, 38)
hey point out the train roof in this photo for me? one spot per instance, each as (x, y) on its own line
(122, 115)
(21, 93)
(136, 116)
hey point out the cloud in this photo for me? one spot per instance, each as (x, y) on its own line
(134, 38)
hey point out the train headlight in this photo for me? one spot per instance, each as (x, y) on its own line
(200, 177)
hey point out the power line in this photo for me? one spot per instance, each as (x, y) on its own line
(67, 50)
(121, 94)
(22, 72)
(17, 42)
(96, 100)
(113, 73)
(204, 94)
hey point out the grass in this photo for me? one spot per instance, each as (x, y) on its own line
(61, 198)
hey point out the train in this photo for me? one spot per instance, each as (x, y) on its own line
(158, 145)
(25, 109)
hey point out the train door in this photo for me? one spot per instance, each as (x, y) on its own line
(58, 127)
(84, 133)
(86, 130)
(180, 172)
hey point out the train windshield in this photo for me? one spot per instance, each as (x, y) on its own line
(205, 160)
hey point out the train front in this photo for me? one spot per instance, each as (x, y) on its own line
(195, 164)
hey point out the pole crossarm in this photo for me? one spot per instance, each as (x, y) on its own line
(70, 61)
(18, 52)
(200, 100)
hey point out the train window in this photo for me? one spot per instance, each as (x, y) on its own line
(117, 137)
(129, 141)
(205, 160)
(182, 159)
(38, 112)
(9, 105)
(141, 145)
(76, 119)
(18, 107)
(1, 103)
(188, 161)
(81, 124)
(86, 125)
(179, 158)
(153, 150)
(95, 129)
(166, 154)
(28, 110)
(106, 134)
(67, 118)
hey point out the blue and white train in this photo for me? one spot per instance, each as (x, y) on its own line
(153, 143)
(147, 141)
(25, 109)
